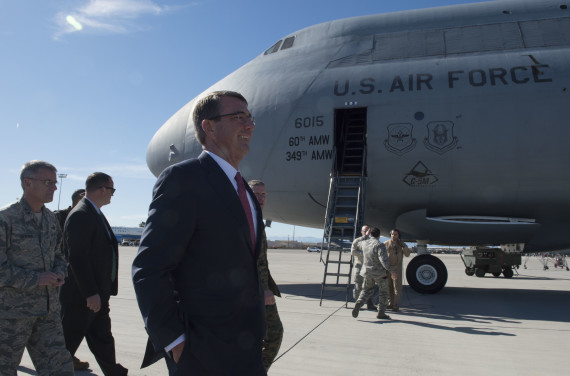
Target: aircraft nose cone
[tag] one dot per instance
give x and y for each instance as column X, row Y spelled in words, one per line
column 167, row 146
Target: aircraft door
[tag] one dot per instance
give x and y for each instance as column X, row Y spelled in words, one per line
column 350, row 141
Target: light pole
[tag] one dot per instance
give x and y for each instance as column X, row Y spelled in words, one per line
column 61, row 177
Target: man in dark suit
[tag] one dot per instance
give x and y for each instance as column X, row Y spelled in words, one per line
column 195, row 274
column 61, row 216
column 93, row 259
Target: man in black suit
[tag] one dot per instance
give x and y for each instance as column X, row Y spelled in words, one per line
column 61, row 216
column 93, row 259
column 195, row 274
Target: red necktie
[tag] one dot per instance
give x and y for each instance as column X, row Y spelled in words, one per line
column 245, row 204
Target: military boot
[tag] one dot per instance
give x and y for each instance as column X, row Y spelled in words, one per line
column 356, row 309
column 382, row 315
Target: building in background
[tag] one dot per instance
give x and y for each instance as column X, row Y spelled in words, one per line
column 128, row 235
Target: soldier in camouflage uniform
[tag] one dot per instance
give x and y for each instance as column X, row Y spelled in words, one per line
column 356, row 251
column 272, row 341
column 32, row 268
column 375, row 265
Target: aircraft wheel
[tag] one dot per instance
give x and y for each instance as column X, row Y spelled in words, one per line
column 480, row 272
column 469, row 271
column 426, row 274
column 496, row 274
column 508, row 273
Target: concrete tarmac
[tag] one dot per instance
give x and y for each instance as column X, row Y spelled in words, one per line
column 474, row 326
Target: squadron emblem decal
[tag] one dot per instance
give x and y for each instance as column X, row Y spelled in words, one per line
column 440, row 137
column 420, row 176
column 400, row 140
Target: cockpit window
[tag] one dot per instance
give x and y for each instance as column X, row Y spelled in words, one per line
column 288, row 43
column 273, row 48
column 283, row 44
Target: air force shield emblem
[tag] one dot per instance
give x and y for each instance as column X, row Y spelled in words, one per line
column 440, row 137
column 400, row 140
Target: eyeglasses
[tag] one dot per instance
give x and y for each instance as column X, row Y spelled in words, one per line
column 47, row 182
column 109, row 188
column 240, row 116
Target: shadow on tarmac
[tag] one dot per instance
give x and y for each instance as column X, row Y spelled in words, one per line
column 480, row 305
column 459, row 329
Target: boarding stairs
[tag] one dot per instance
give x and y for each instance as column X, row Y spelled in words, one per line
column 345, row 209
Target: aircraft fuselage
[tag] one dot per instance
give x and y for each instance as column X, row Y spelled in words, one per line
column 466, row 131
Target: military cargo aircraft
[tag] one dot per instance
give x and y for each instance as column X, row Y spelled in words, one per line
column 464, row 112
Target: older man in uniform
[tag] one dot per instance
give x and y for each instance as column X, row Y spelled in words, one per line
column 32, row 268
column 374, row 270
column 397, row 249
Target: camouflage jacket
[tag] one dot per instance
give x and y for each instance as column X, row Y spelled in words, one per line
column 376, row 260
column 396, row 251
column 356, row 250
column 267, row 281
column 28, row 248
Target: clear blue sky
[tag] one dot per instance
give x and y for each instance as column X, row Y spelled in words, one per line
column 85, row 84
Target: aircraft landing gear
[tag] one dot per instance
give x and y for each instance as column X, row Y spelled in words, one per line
column 426, row 274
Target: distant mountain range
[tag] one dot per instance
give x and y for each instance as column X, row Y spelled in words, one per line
column 306, row 239
column 302, row 239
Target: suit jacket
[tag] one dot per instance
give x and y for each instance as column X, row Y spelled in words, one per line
column 196, row 270
column 92, row 249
